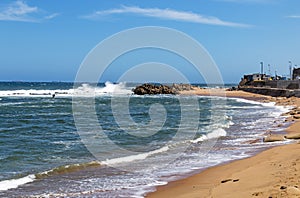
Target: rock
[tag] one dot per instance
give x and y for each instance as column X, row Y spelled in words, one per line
column 292, row 136
column 296, row 117
column 232, row 89
column 274, row 138
column 152, row 89
column 293, row 191
column 183, row 87
column 283, row 187
column 226, row 180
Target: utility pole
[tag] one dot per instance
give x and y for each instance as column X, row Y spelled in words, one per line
column 291, row 78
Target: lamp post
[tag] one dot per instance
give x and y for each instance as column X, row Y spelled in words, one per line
column 290, row 62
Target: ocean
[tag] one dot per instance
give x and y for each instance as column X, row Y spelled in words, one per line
column 140, row 142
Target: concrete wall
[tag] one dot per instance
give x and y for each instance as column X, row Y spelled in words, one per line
column 284, row 84
column 272, row 91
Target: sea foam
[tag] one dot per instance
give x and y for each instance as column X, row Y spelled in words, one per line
column 15, row 183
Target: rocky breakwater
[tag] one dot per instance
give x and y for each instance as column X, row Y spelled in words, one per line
column 152, row 89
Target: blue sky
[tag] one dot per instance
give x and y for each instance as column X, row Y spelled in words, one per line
column 47, row 40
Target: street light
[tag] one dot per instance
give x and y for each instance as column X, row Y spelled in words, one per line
column 290, row 62
column 261, row 70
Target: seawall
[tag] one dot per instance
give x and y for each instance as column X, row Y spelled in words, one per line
column 275, row 92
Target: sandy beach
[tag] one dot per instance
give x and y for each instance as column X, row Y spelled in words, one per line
column 272, row 173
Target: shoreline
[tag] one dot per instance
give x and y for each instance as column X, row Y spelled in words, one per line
column 274, row 172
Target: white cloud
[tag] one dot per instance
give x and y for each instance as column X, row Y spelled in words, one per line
column 51, row 16
column 20, row 11
column 293, row 16
column 168, row 14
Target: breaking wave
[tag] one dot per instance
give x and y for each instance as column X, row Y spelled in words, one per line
column 131, row 158
column 213, row 135
column 15, row 183
column 67, row 169
column 83, row 90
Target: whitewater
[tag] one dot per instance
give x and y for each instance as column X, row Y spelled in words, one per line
column 43, row 153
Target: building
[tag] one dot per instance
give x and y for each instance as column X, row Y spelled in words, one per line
column 296, row 74
column 254, row 77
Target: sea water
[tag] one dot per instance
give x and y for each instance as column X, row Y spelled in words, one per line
column 42, row 153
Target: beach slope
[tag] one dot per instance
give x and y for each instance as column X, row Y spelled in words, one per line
column 272, row 173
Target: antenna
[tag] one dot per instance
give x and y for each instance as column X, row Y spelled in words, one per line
column 269, row 69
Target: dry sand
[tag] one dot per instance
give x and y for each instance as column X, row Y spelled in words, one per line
column 272, row 173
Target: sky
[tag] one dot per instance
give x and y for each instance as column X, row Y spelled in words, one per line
column 48, row 40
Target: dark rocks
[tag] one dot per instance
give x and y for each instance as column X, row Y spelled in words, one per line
column 296, row 117
column 232, row 89
column 229, row 180
column 153, row 89
column 226, row 180
column 283, row 187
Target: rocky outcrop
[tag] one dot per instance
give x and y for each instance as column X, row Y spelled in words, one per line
column 182, row 87
column 274, row 138
column 293, row 136
column 152, row 89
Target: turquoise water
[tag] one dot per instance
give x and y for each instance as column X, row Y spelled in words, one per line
column 42, row 152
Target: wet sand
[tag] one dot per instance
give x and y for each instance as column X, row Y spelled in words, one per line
column 272, row 173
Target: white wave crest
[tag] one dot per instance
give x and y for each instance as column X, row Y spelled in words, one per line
column 15, row 183
column 247, row 101
column 83, row 90
column 110, row 88
column 134, row 157
column 34, row 93
column 215, row 134
column 264, row 104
